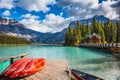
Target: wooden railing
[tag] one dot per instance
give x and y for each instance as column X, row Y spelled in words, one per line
column 13, row 57
column 99, row 45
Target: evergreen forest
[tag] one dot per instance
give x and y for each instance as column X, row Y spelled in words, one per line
column 109, row 32
column 5, row 39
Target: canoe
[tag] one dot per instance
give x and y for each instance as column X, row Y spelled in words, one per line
column 24, row 67
column 83, row 76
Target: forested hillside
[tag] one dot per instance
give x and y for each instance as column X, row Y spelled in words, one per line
column 5, row 39
column 108, row 31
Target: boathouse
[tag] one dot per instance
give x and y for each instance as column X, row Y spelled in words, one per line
column 94, row 38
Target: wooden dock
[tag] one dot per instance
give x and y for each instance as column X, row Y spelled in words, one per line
column 113, row 47
column 54, row 70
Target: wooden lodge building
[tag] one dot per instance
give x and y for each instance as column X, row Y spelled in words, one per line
column 94, row 38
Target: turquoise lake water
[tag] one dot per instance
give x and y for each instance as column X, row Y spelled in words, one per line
column 99, row 63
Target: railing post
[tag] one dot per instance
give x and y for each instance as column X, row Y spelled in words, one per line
column 11, row 60
column 116, row 44
column 108, row 45
column 112, row 45
column 22, row 56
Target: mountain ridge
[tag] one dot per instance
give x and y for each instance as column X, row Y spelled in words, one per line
column 99, row 18
column 12, row 26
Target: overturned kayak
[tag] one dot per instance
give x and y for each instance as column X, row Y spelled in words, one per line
column 24, row 67
column 83, row 76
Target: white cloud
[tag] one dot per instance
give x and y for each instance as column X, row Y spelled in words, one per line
column 55, row 23
column 36, row 5
column 51, row 23
column 107, row 10
column 87, row 8
column 29, row 16
column 8, row 4
column 31, row 23
column 61, row 14
column 31, row 5
column 6, row 13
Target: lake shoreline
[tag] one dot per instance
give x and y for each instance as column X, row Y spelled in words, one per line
column 29, row 44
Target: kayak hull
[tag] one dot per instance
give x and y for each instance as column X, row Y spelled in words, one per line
column 37, row 65
column 24, row 67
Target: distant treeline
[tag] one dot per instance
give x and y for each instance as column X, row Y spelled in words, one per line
column 108, row 31
column 5, row 39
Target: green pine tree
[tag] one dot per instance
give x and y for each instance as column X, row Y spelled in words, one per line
column 118, row 31
column 76, row 34
column 88, row 31
column 69, row 36
column 94, row 25
column 107, row 30
column 113, row 32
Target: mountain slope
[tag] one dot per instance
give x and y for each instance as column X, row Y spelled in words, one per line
column 9, row 26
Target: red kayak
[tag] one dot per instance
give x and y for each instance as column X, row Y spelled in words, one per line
column 24, row 67
column 33, row 67
column 12, row 67
column 20, row 68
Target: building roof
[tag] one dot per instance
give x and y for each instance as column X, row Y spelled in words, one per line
column 94, row 34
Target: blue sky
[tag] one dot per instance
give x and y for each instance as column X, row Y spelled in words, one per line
column 54, row 15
